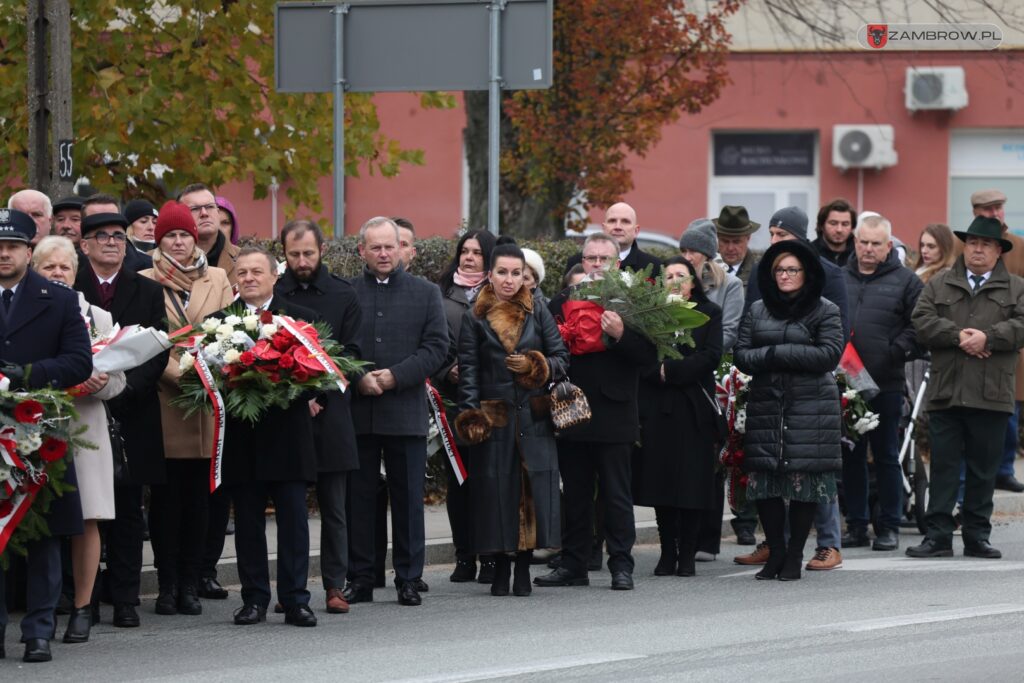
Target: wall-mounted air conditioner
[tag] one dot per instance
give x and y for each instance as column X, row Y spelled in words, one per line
column 863, row 146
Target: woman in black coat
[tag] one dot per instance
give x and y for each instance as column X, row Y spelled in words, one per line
column 509, row 348
column 790, row 343
column 674, row 468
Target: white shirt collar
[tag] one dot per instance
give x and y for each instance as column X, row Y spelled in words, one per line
column 265, row 306
column 984, row 277
column 624, row 254
column 13, row 289
column 108, row 280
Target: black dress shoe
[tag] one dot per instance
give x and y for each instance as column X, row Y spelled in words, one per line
column 167, row 601
column 622, row 581
column 125, row 616
column 555, row 562
column 37, row 650
column 930, row 548
column 745, row 537
column 1008, row 482
column 210, row 589
column 886, row 539
column 188, row 601
column 465, row 571
column 79, row 624
column 247, row 615
column 981, row 549
column 355, row 592
column 300, row 615
column 561, row 577
column 408, row 595
column 420, row 585
column 856, row 537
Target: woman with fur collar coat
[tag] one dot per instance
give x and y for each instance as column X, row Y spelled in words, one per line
column 509, row 349
column 790, row 342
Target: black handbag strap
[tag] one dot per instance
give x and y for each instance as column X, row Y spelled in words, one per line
column 714, row 404
column 173, row 296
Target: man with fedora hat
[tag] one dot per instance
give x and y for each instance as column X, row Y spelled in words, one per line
column 992, row 204
column 734, row 230
column 43, row 344
column 971, row 318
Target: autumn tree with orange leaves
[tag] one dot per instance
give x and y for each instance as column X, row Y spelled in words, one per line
column 622, row 70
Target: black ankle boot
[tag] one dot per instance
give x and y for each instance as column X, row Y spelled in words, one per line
column 79, row 624
column 791, row 567
column 521, row 584
column 666, row 520
column 773, row 566
column 502, row 574
column 167, row 601
column 667, row 562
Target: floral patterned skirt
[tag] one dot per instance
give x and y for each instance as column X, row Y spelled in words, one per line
column 806, row 487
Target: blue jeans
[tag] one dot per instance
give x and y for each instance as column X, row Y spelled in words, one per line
column 826, row 524
column 884, row 440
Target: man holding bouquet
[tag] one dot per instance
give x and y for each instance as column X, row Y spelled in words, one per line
column 273, row 457
column 602, row 447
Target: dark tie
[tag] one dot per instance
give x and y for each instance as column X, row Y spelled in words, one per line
column 976, row 279
column 106, row 294
column 7, row 296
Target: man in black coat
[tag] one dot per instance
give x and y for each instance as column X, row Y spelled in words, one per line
column 307, row 282
column 602, row 447
column 134, row 260
column 882, row 298
column 274, row 458
column 836, row 221
column 131, row 300
column 620, row 224
column 405, row 335
column 44, row 343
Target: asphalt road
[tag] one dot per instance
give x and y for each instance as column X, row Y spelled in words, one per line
column 882, row 616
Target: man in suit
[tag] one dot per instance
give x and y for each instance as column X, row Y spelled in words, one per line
column 620, row 224
column 734, row 230
column 971, row 318
column 43, row 343
column 134, row 260
column 283, row 440
column 67, row 219
column 131, row 300
column 602, row 447
column 405, row 335
column 307, row 282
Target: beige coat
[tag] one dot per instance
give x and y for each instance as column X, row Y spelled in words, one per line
column 226, row 262
column 189, row 437
column 95, row 466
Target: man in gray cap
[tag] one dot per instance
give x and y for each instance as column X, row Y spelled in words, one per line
column 790, row 223
column 992, row 204
column 734, row 230
column 67, row 219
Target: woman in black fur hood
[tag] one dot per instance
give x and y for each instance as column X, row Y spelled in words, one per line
column 790, row 343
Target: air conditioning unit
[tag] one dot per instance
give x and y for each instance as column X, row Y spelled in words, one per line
column 863, row 146
column 935, row 87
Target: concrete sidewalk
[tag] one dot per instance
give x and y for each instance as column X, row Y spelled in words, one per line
column 439, row 541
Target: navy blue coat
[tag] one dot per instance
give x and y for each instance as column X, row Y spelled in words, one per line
column 45, row 329
column 334, row 301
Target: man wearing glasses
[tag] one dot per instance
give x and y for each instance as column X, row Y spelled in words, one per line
column 131, row 299
column 201, row 201
column 134, row 260
column 790, row 223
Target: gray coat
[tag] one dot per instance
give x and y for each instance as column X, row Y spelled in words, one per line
column 404, row 330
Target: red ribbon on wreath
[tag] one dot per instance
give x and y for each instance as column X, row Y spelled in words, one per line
column 581, row 327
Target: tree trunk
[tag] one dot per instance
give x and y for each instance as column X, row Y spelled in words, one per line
column 519, row 215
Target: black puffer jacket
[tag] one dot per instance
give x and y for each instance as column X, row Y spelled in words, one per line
column 791, row 345
column 880, row 305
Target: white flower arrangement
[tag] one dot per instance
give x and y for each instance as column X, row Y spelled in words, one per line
column 186, row 362
column 251, row 322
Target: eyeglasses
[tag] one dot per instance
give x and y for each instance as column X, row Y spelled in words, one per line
column 208, row 208
column 106, row 237
column 600, row 259
column 788, row 272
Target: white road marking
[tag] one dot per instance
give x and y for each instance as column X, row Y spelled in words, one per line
column 536, row 667
column 902, row 563
column 922, row 618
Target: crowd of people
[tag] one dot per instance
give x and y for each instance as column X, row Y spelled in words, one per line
column 488, row 339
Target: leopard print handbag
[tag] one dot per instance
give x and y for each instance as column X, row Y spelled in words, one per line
column 569, row 406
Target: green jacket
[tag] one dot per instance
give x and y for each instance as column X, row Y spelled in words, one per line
column 945, row 308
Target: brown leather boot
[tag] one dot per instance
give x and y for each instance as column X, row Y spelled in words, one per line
column 759, row 556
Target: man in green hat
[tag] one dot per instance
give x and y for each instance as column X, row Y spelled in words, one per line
column 734, row 230
column 971, row 318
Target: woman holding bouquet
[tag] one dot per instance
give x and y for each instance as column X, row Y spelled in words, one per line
column 55, row 258
column 674, row 469
column 790, row 342
column 509, row 348
column 177, row 516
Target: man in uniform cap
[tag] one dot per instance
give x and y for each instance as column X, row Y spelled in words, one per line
column 734, row 230
column 43, row 344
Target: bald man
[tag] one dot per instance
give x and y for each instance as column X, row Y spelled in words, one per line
column 621, row 225
column 37, row 205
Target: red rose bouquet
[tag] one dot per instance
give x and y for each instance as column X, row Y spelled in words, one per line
column 36, row 438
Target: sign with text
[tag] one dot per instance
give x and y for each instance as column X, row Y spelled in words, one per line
column 771, row 154
column 65, row 160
